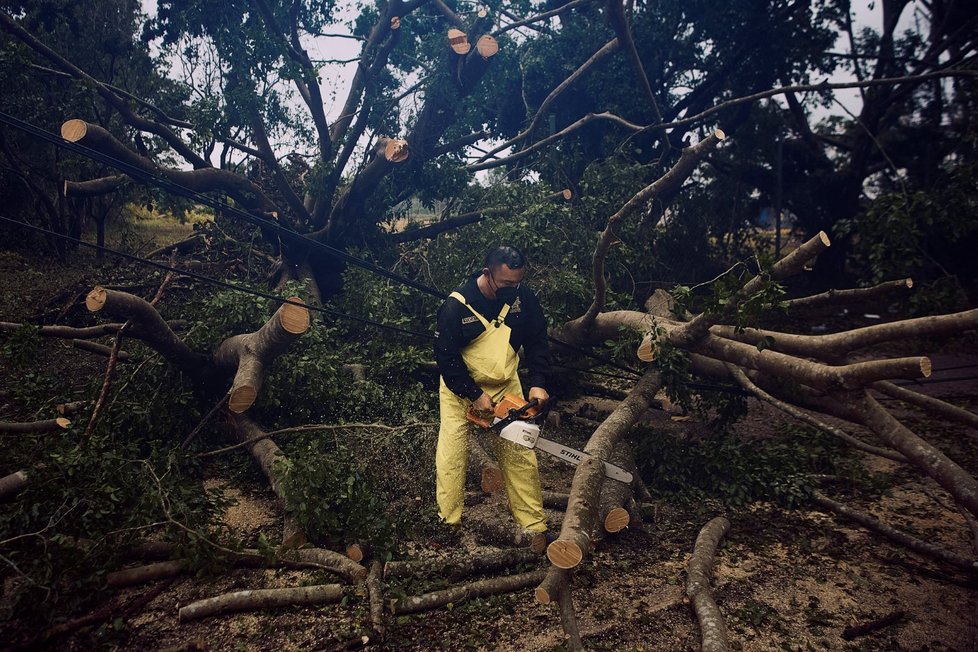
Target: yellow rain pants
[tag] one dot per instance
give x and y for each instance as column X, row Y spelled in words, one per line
column 492, row 363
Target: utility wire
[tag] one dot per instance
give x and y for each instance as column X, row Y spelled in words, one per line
column 288, row 234
column 213, row 281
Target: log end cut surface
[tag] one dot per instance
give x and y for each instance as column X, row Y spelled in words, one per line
column 926, row 367
column 646, row 350
column 541, row 595
column 492, row 480
column 95, row 300
column 486, row 46
column 74, row 130
column 242, row 398
column 396, row 150
column 616, row 520
column 458, row 41
column 295, row 319
column 564, row 554
column 354, row 552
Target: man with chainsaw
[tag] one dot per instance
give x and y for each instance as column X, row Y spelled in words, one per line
column 481, row 326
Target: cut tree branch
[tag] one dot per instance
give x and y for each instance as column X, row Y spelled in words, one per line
column 713, row 631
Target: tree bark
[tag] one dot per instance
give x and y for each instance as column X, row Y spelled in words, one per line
column 933, row 405
column 713, row 630
column 259, row 599
column 148, row 573
column 456, row 594
column 34, row 427
column 147, row 326
column 955, row 480
column 613, row 516
column 202, row 179
column 856, row 295
column 87, row 332
column 13, row 484
column 555, row 589
column 747, row 384
column 375, row 594
column 457, row 569
column 262, row 449
column 100, row 349
column 484, row 468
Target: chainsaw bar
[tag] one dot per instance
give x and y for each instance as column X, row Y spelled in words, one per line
column 528, row 435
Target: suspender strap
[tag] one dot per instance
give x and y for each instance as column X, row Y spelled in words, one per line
column 500, row 318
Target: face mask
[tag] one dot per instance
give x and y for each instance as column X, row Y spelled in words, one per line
column 507, row 295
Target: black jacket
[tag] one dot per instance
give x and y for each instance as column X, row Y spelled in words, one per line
column 456, row 330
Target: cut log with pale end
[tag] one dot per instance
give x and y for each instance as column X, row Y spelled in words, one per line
column 252, row 353
column 34, row 427
column 555, row 589
column 12, row 484
column 147, row 325
column 613, row 517
column 74, row 130
column 458, row 41
column 713, row 630
column 396, row 150
column 258, row 599
column 358, row 551
column 484, row 469
column 566, row 553
column 487, row 46
column 456, row 594
column 616, row 520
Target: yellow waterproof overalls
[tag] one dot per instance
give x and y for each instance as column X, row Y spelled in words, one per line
column 492, row 363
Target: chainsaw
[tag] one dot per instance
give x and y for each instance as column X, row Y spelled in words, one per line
column 520, row 422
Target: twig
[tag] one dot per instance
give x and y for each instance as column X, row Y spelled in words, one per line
column 113, row 361
column 217, row 406
column 345, row 426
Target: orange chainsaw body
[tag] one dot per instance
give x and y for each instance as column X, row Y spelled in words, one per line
column 500, row 411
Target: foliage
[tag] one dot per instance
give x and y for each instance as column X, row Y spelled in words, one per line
column 739, row 470
column 928, row 234
column 334, row 500
column 85, row 503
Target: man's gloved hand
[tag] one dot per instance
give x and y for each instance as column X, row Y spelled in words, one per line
column 538, row 393
column 483, row 404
